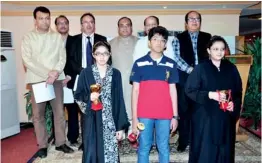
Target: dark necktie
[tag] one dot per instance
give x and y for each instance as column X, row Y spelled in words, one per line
column 89, row 58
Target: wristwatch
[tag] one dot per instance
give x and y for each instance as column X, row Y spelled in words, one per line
column 176, row 117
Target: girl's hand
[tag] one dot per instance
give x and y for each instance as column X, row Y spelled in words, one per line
column 119, row 135
column 230, row 106
column 94, row 96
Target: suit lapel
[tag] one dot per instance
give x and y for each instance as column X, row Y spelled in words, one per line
column 79, row 48
column 95, row 39
column 199, row 45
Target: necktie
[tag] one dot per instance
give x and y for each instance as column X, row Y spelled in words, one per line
column 89, row 58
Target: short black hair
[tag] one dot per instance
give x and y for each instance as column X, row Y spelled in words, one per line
column 186, row 17
column 87, row 14
column 216, row 38
column 157, row 20
column 41, row 9
column 107, row 46
column 125, row 18
column 61, row 16
column 158, row 30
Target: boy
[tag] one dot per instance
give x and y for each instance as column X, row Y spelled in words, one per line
column 154, row 97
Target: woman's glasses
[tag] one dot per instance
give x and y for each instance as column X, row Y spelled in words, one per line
column 102, row 54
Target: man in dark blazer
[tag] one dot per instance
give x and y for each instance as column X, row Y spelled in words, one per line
column 80, row 55
column 191, row 45
column 62, row 26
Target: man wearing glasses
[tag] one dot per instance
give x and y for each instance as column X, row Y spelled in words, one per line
column 191, row 46
column 62, row 26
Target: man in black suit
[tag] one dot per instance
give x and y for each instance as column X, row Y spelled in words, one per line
column 81, row 50
column 62, row 26
column 191, row 45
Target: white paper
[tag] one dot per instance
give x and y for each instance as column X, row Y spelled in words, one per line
column 75, row 86
column 43, row 92
column 68, row 96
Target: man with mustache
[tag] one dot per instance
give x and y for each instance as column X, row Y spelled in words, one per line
column 44, row 57
column 62, row 26
column 191, row 46
column 122, row 48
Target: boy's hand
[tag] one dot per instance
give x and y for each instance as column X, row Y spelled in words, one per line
column 173, row 125
column 134, row 126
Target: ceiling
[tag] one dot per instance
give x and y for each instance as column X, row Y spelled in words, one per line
column 249, row 22
column 244, row 8
column 10, row 8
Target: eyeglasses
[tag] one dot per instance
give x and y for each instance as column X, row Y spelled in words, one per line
column 159, row 39
column 194, row 19
column 218, row 49
column 102, row 54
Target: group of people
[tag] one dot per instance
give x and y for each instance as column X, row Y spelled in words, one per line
column 161, row 82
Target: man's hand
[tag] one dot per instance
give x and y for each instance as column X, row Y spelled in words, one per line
column 66, row 80
column 173, row 125
column 50, row 80
column 53, row 74
column 191, row 69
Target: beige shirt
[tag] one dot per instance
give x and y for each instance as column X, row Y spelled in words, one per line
column 41, row 53
column 122, row 59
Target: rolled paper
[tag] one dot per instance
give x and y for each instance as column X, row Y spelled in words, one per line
column 141, row 126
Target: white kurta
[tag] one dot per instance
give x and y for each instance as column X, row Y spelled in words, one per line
column 122, row 58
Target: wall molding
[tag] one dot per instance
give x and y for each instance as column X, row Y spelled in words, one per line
column 124, row 3
column 127, row 12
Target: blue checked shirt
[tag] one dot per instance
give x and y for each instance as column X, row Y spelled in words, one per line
column 194, row 37
column 181, row 64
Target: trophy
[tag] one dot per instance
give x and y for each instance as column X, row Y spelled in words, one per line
column 97, row 104
column 224, row 105
column 133, row 137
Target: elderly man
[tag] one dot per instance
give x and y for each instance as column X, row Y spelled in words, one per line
column 191, row 46
column 122, row 48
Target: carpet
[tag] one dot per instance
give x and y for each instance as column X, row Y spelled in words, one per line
column 246, row 152
column 19, row 148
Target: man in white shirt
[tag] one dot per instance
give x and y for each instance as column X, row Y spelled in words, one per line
column 141, row 48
